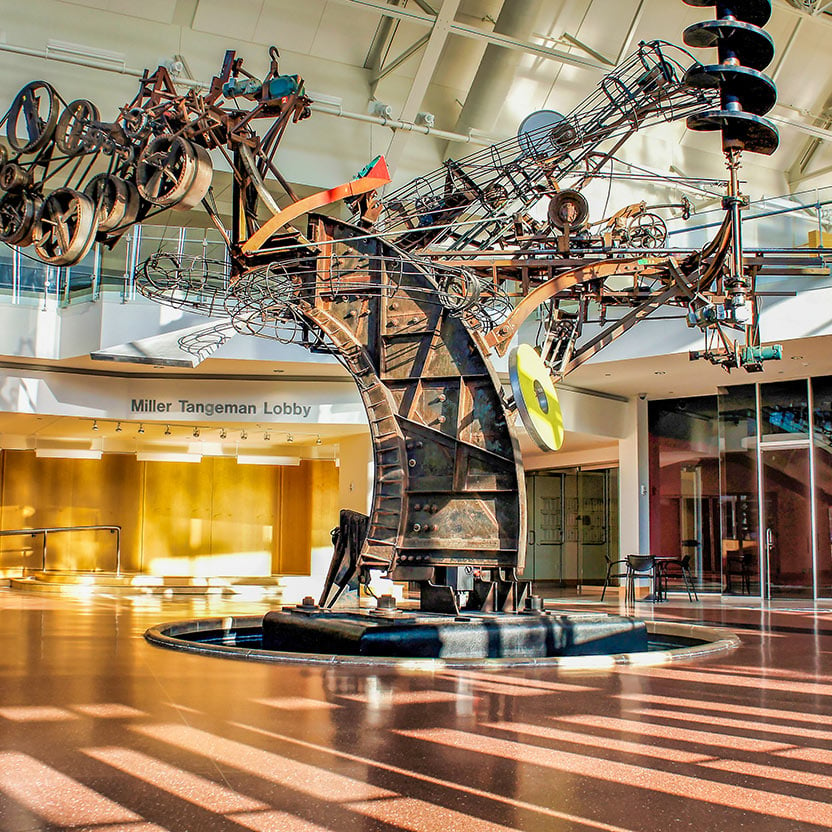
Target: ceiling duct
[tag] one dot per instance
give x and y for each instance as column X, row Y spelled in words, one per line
column 498, row 67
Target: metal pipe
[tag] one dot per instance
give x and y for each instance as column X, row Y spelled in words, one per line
column 738, row 287
column 318, row 107
column 394, row 124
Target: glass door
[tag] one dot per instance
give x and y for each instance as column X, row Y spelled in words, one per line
column 544, row 551
column 787, row 521
column 593, row 527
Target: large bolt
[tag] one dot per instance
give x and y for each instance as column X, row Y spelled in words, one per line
column 386, row 602
column 534, row 603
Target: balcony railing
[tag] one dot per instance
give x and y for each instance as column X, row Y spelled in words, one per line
column 47, row 530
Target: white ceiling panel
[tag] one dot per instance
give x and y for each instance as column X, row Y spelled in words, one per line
column 94, row 4
column 288, row 24
column 233, row 20
column 345, row 34
column 159, row 11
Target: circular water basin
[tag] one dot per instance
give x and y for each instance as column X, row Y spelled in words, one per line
column 241, row 637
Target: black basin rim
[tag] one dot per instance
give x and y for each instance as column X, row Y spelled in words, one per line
column 715, row 642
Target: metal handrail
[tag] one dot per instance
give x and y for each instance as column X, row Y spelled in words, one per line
column 47, row 530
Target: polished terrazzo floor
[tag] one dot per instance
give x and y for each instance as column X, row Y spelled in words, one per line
column 101, row 731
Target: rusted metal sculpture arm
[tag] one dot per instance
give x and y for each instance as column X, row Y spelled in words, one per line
column 500, row 337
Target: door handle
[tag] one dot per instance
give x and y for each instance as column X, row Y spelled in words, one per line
column 531, row 537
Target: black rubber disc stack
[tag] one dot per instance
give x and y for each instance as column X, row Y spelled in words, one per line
column 746, row 95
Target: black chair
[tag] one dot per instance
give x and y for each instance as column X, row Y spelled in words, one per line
column 611, row 564
column 642, row 565
column 683, row 563
column 739, row 563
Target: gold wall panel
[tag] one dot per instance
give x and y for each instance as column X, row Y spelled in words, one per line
column 74, row 492
column 308, row 512
column 214, row 518
column 176, row 532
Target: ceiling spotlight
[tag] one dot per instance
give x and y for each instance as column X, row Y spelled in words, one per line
column 243, row 434
column 318, row 441
column 196, row 433
column 223, row 434
column 167, row 430
column 141, row 427
column 95, row 424
column 118, row 428
column 289, row 437
column 267, row 436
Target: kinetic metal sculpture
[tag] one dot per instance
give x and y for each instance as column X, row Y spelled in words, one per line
column 410, row 295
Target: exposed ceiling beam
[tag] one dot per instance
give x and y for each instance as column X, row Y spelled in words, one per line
column 805, row 11
column 464, row 30
column 389, row 66
column 424, row 74
column 573, row 41
column 786, row 50
column 631, row 32
column 380, row 43
column 804, row 177
column 819, row 133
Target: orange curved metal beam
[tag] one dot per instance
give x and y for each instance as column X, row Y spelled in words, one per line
column 377, row 178
column 499, row 338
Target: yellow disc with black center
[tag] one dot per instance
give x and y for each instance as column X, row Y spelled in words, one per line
column 536, row 397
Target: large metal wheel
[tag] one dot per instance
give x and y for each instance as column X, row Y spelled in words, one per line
column 568, row 209
column 17, row 217
column 647, row 231
column 116, row 201
column 202, row 181
column 172, row 172
column 65, row 227
column 72, row 133
column 32, row 117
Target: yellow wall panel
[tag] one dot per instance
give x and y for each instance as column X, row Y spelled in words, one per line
column 309, row 511
column 244, row 507
column 176, row 532
column 74, row 492
column 214, row 518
